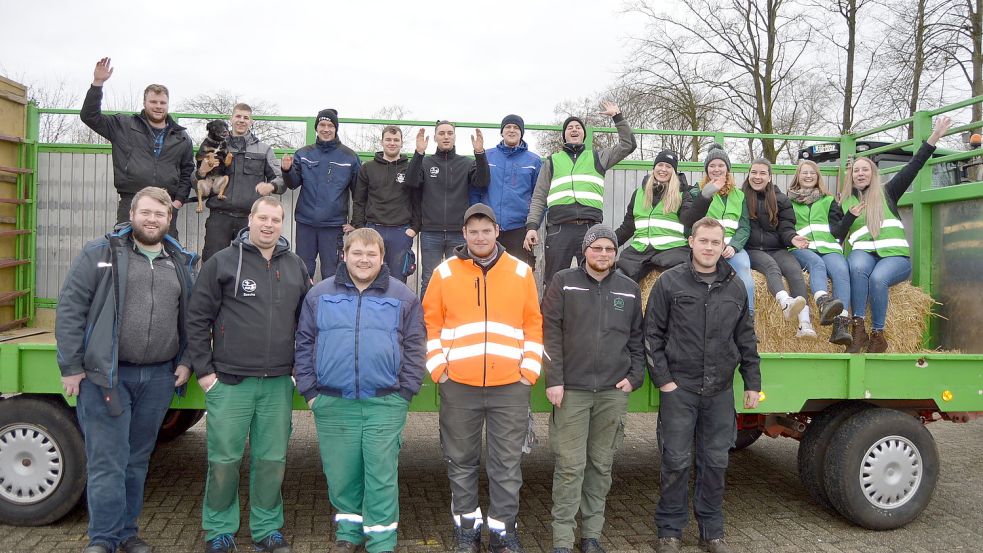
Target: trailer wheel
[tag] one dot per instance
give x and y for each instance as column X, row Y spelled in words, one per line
column 815, row 443
column 746, row 437
column 881, row 468
column 42, row 461
column 177, row 422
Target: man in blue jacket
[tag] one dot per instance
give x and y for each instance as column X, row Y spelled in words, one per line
column 514, row 170
column 122, row 350
column 359, row 359
column 326, row 173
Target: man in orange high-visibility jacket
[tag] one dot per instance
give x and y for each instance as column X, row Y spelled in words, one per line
column 484, row 347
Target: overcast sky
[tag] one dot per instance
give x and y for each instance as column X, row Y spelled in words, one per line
column 455, row 60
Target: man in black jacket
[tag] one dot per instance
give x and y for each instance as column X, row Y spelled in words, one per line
column 444, row 181
column 697, row 331
column 592, row 333
column 383, row 201
column 242, row 322
column 149, row 148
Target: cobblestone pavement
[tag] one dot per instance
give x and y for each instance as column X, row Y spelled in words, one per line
column 766, row 507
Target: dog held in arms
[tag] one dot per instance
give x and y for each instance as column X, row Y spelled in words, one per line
column 214, row 146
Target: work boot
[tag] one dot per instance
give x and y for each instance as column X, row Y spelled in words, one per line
column 829, row 307
column 859, row 332
column 134, row 544
column 668, row 545
column 504, row 542
column 877, row 342
column 591, row 545
column 841, row 331
column 342, row 546
column 467, row 539
column 716, row 545
column 792, row 306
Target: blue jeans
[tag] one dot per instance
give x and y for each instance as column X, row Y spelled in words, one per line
column 741, row 263
column 871, row 276
column 397, row 244
column 435, row 246
column 319, row 241
column 820, row 266
column 118, row 449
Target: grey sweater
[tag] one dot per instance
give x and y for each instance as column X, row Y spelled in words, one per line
column 148, row 330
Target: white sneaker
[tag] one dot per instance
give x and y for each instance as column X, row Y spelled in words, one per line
column 806, row 331
column 792, row 306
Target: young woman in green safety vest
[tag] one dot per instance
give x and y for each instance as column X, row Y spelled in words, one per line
column 880, row 256
column 772, row 224
column 718, row 197
column 816, row 212
column 655, row 237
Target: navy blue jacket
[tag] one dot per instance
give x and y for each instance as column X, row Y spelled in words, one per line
column 326, row 173
column 359, row 345
column 514, row 171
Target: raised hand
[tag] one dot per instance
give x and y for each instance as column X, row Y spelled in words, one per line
column 422, row 140
column 477, row 142
column 287, row 162
column 610, row 108
column 102, row 72
column 942, row 125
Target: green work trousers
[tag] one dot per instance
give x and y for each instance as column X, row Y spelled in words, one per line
column 258, row 409
column 360, row 441
column 585, row 432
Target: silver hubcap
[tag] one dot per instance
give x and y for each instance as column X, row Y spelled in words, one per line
column 30, row 464
column 891, row 472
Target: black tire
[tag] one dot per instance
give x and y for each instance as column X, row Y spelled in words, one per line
column 815, row 443
column 746, row 437
column 881, row 468
column 41, row 439
column 177, row 422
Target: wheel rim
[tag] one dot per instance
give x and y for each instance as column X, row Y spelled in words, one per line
column 30, row 464
column 891, row 472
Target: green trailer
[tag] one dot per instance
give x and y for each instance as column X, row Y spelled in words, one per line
column 860, row 419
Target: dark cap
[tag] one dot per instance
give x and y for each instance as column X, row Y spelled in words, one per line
column 479, row 209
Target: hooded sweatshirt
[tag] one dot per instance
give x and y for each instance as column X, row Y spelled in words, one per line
column 382, row 197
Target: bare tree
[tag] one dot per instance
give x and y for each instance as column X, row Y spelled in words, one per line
column 278, row 134
column 368, row 138
column 962, row 29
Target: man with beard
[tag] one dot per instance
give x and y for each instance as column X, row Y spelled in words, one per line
column 383, row 202
column 698, row 330
column 325, row 172
column 149, row 148
column 242, row 321
column 592, row 333
column 254, row 173
column 121, row 350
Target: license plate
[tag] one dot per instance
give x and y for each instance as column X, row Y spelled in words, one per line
column 825, row 148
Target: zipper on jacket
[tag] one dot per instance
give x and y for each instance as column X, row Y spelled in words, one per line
column 150, row 326
column 600, row 311
column 358, row 317
column 484, row 367
column 477, row 291
column 269, row 323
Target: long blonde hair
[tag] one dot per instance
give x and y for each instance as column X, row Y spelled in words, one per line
column 671, row 196
column 794, row 185
column 873, row 195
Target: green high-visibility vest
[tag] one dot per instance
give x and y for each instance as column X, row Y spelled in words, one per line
column 654, row 228
column 575, row 182
column 890, row 240
column 727, row 209
column 812, row 222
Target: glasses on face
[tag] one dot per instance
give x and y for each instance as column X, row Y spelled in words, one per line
column 602, row 249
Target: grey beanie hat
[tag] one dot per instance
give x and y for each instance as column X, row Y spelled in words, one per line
column 716, row 151
column 597, row 232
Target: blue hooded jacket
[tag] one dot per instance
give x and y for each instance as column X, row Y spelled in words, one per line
column 514, row 171
column 326, row 173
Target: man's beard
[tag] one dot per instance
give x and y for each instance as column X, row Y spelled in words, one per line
column 142, row 237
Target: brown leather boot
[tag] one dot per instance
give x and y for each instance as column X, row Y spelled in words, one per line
column 877, row 343
column 859, row 335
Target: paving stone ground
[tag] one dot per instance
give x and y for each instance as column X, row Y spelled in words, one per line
column 766, row 508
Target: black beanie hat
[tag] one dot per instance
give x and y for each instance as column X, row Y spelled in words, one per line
column 669, row 157
column 329, row 114
column 513, row 119
column 566, row 122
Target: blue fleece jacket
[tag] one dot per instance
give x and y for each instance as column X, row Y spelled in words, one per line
column 326, row 173
column 514, row 171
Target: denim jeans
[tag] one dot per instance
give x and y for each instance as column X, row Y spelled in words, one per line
column 713, row 419
column 397, row 243
column 820, row 266
column 741, row 263
column 435, row 246
column 871, row 276
column 118, row 449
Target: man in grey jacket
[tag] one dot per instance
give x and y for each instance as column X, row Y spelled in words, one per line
column 571, row 189
column 592, row 333
column 124, row 380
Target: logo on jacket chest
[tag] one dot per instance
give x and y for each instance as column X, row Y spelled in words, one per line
column 248, row 288
column 619, row 304
column 434, row 171
column 401, row 177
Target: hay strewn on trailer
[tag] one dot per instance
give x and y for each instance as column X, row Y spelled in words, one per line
column 907, row 318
